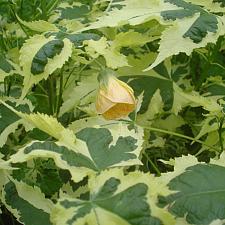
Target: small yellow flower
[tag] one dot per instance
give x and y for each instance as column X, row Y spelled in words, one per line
column 115, row 99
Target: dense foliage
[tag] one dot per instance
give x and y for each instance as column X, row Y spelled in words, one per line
column 62, row 163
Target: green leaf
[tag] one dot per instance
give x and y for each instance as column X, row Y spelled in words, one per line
column 113, row 57
column 80, row 124
column 114, row 199
column 78, row 39
column 111, row 49
column 9, row 120
column 150, row 85
column 34, row 54
column 188, row 25
column 51, row 126
column 184, row 4
column 215, row 6
column 78, row 164
column 205, row 23
column 49, row 181
column 5, row 171
column 216, row 89
column 120, row 144
column 39, row 25
column 95, row 149
column 49, row 50
column 222, row 3
column 179, row 35
column 176, row 14
column 83, row 93
column 200, row 194
column 160, row 79
column 161, row 91
column 199, row 29
column 7, row 67
column 172, row 122
column 74, row 12
column 210, row 124
column 26, row 203
column 128, row 13
column 46, row 123
column 104, row 156
column 130, row 39
column 195, row 99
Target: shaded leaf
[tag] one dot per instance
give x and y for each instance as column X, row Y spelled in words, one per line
column 26, row 203
column 9, row 120
column 74, row 12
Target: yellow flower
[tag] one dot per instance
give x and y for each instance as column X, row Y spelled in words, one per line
column 115, row 99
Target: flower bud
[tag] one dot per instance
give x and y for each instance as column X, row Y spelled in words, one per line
column 115, row 99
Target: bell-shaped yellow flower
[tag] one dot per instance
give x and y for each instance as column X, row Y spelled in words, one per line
column 115, row 99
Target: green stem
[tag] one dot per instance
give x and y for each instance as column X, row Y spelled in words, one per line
column 78, row 72
column 179, row 135
column 44, row 9
column 9, row 88
column 5, row 86
column 109, row 6
column 220, row 133
column 42, row 95
column 21, row 25
column 3, row 41
column 152, row 164
column 67, row 79
column 147, row 48
column 51, row 5
column 70, row 118
column 1, row 220
column 40, row 86
column 21, row 4
column 99, row 64
column 59, row 99
column 12, row 219
column 51, row 95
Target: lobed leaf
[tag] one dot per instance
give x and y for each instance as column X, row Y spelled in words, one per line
column 198, row 190
column 114, row 199
column 95, row 150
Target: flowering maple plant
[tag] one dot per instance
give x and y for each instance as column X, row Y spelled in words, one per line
column 106, row 109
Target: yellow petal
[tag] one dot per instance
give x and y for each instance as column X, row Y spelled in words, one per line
column 102, row 103
column 118, row 111
column 117, row 91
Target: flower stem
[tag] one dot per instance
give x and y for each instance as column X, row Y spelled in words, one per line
column 179, row 135
column 152, row 164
